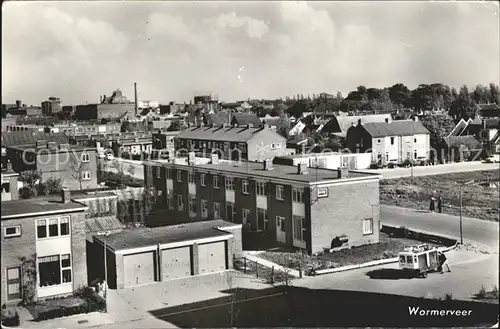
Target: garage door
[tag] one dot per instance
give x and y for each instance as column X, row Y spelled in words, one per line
column 139, row 269
column 212, row 257
column 176, row 263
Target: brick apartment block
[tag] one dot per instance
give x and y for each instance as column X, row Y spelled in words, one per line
column 306, row 208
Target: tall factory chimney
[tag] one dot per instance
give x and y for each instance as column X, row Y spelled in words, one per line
column 135, row 95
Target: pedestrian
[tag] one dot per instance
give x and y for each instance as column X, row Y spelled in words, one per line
column 440, row 204
column 442, row 262
column 432, row 205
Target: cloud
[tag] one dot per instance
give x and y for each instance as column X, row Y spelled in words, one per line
column 79, row 51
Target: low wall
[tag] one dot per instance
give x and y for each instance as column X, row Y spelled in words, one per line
column 403, row 232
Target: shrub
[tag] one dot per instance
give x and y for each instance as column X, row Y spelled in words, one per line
column 26, row 192
column 448, row 296
column 10, row 318
column 54, row 185
column 42, row 189
column 481, row 293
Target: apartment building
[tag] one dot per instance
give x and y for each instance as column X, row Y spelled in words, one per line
column 164, row 143
column 232, row 142
column 294, row 206
column 48, row 234
column 391, row 141
column 77, row 166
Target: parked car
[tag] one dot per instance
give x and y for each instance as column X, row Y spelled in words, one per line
column 493, row 159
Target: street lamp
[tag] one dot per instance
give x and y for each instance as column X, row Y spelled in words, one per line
column 105, row 234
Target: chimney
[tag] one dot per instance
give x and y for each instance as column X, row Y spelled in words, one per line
column 359, row 122
column 302, row 169
column 415, row 118
column 41, row 143
column 386, row 120
column 268, row 164
column 214, row 158
column 249, row 126
column 135, row 97
column 191, row 158
column 66, row 195
column 18, row 103
column 100, row 99
column 343, row 172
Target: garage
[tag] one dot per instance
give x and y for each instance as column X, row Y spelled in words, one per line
column 138, row 269
column 212, row 257
column 176, row 263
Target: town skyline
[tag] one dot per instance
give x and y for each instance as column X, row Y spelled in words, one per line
column 242, row 50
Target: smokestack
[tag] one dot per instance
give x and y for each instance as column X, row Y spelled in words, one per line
column 135, row 95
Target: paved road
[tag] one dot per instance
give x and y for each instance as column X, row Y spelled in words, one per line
column 435, row 170
column 482, row 231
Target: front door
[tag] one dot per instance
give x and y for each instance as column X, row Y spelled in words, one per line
column 280, row 229
column 13, row 283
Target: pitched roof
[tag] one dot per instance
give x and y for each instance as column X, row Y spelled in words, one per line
column 232, row 134
column 469, row 142
column 245, row 118
column 459, row 128
column 491, row 106
column 395, row 128
column 217, row 119
column 26, row 137
column 346, row 122
column 107, row 223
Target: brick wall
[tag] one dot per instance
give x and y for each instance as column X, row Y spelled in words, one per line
column 79, row 250
column 16, row 247
column 342, row 212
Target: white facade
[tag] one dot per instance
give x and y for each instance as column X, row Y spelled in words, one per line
column 354, row 161
column 148, row 104
column 400, row 148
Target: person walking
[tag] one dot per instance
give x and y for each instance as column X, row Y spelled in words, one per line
column 432, row 205
column 442, row 262
column 440, row 204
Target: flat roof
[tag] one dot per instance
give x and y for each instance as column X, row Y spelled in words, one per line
column 38, row 206
column 313, row 155
column 256, row 170
column 33, row 148
column 144, row 237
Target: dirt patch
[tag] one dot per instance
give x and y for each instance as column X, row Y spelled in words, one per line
column 480, row 193
column 387, row 248
column 474, row 247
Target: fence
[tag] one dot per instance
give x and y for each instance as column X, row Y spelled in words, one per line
column 268, row 274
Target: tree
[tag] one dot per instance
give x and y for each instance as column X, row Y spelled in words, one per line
column 374, row 94
column 463, row 106
column 229, row 277
column 77, row 167
column 28, row 279
column 30, row 180
column 283, row 126
column 439, row 127
column 362, row 91
column 494, row 94
column 339, row 96
column 125, row 126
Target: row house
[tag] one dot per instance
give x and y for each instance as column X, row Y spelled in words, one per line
column 289, row 205
column 391, row 141
column 49, row 235
column 232, row 142
column 163, row 143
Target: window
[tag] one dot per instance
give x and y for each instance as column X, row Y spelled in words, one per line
column 386, row 156
column 169, row 200
column 202, row 179
column 179, row 176
column 64, row 225
column 244, row 186
column 158, row 172
column 13, row 283
column 12, row 231
column 230, row 211
column 367, row 226
column 86, row 175
column 204, row 209
column 53, row 227
column 261, row 188
column 392, row 140
column 298, row 228
column 414, row 154
column 217, row 210
column 414, row 140
column 180, row 202
column 297, row 195
column 378, row 141
column 244, row 215
column 230, row 183
column 216, row 181
column 279, row 192
column 169, row 173
column 192, row 206
column 41, row 229
column 191, row 177
column 262, row 221
column 85, row 157
column 54, row 270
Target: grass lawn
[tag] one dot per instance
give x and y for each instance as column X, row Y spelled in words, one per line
column 387, row 248
column 478, row 201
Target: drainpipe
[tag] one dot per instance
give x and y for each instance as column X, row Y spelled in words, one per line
column 159, row 260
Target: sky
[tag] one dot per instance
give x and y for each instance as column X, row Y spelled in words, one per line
column 79, row 51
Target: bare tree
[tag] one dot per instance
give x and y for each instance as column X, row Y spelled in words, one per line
column 229, row 277
column 77, row 167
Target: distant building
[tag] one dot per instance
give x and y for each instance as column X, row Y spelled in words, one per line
column 105, row 111
column 391, row 141
column 339, row 124
column 52, row 106
column 148, row 105
column 77, row 166
column 133, row 146
column 33, row 111
column 163, row 143
column 171, row 108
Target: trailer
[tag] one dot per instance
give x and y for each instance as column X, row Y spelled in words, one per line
column 420, row 260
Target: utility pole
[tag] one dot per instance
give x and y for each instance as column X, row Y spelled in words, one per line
column 461, row 236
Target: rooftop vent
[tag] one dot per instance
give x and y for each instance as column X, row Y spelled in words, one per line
column 302, row 169
column 268, row 164
column 65, row 195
